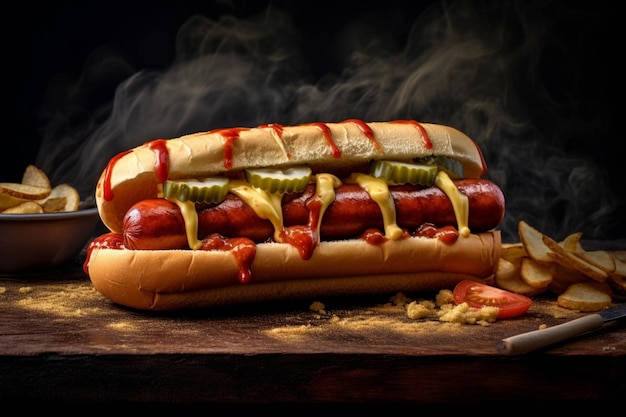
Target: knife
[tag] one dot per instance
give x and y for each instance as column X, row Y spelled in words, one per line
column 537, row 339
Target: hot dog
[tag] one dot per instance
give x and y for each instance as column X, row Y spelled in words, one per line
column 381, row 206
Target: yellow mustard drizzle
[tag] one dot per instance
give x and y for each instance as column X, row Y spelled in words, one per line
column 188, row 210
column 379, row 192
column 325, row 185
column 459, row 201
column 266, row 205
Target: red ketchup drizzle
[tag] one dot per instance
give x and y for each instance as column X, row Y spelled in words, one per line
column 243, row 249
column 374, row 237
column 367, row 131
column 229, row 135
column 305, row 238
column 107, row 193
column 162, row 165
column 336, row 153
column 105, row 241
column 447, row 234
column 427, row 143
column 278, row 131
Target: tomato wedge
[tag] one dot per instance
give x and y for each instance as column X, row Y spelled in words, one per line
column 478, row 295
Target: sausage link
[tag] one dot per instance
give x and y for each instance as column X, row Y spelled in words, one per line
column 158, row 223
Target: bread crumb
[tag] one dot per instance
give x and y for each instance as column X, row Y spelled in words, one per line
column 3, row 290
column 543, row 326
column 420, row 310
column 448, row 311
column 26, row 290
column 318, row 307
column 399, row 299
column 444, row 297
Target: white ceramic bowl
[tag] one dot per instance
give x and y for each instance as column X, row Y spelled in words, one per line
column 30, row 242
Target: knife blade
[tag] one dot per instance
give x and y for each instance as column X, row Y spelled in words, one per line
column 537, row 339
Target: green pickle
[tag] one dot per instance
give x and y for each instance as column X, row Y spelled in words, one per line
column 395, row 172
column 207, row 190
column 275, row 180
column 450, row 166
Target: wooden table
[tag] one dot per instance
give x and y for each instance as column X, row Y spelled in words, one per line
column 62, row 341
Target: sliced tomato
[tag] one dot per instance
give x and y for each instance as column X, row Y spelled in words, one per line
column 478, row 295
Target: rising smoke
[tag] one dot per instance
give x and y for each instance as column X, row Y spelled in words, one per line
column 500, row 75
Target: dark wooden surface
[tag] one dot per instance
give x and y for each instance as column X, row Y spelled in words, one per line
column 62, row 341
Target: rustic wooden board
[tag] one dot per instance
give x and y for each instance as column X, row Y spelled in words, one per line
column 60, row 340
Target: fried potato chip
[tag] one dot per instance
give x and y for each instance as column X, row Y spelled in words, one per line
column 532, row 239
column 53, row 205
column 508, row 278
column 537, row 274
column 572, row 242
column 35, row 177
column 12, row 194
column 564, row 277
column 66, row 193
column 571, row 259
column 600, row 258
column 586, row 296
column 513, row 252
column 24, row 208
column 620, row 267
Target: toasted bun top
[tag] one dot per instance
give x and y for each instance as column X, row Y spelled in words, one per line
column 136, row 175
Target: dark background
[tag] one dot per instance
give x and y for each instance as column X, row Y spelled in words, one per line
column 536, row 83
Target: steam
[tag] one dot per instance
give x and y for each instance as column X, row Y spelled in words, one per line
column 479, row 72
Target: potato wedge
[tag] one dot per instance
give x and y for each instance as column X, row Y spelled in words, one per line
column 572, row 242
column 537, row 274
column 587, row 296
column 24, row 208
column 35, row 177
column 53, row 205
column 564, row 277
column 532, row 239
column 508, row 278
column 513, row 252
column 600, row 258
column 66, row 193
column 570, row 259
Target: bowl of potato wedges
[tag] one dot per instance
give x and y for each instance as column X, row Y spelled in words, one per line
column 42, row 225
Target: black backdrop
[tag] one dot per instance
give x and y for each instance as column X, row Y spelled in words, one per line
column 542, row 94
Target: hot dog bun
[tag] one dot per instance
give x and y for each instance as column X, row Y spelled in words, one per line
column 184, row 279
column 325, row 147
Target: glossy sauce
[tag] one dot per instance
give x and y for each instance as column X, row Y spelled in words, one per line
column 335, row 152
column 107, row 193
column 241, row 248
column 229, row 135
column 368, row 132
column 105, row 241
column 162, row 165
column 305, row 238
column 446, row 234
column 427, row 143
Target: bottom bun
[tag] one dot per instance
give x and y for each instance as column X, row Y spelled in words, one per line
column 186, row 279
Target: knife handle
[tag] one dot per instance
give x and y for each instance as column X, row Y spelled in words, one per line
column 526, row 342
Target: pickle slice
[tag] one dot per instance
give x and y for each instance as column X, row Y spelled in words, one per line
column 275, row 180
column 395, row 172
column 208, row 190
column 450, row 166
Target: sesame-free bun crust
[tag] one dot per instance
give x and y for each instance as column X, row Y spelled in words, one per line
column 133, row 177
column 186, row 279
